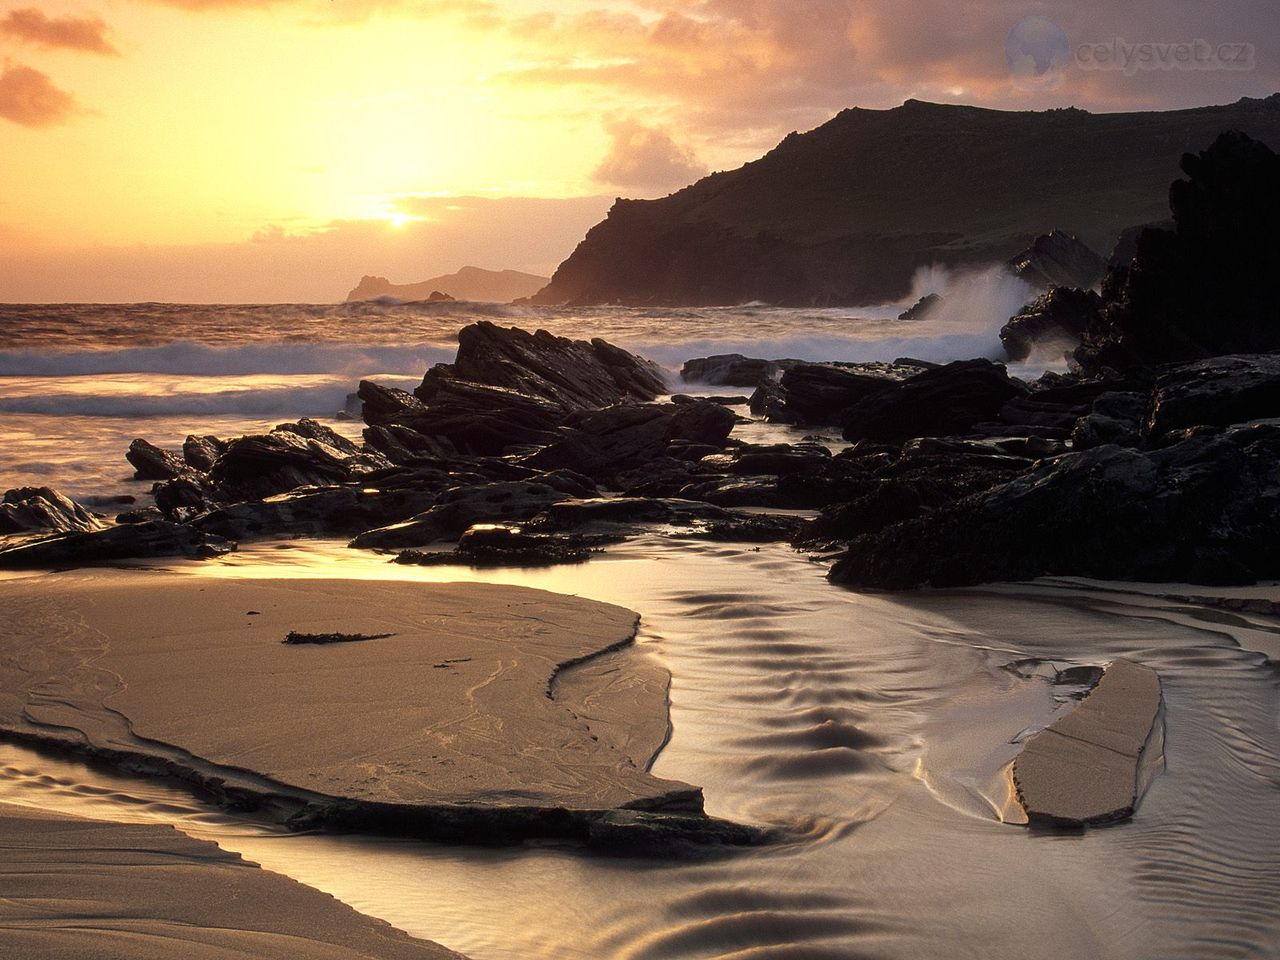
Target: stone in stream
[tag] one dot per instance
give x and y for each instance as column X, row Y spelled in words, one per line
column 1085, row 767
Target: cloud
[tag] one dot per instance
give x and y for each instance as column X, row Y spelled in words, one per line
column 29, row 98
column 646, row 159
column 87, row 34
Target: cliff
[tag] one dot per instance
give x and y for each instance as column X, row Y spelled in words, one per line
column 469, row 283
column 844, row 214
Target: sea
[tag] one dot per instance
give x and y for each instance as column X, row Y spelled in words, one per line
column 871, row 732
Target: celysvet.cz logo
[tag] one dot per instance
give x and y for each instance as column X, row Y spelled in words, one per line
column 1039, row 53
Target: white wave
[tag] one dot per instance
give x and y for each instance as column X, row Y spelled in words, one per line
column 287, row 402
column 199, row 359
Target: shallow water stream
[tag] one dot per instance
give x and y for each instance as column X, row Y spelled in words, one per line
column 873, row 731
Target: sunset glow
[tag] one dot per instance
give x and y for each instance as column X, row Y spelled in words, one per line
column 180, row 123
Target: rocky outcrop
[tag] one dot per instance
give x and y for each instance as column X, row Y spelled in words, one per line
column 1205, row 509
column 154, row 538
column 151, row 463
column 1206, row 288
column 818, row 394
column 948, row 401
column 1053, row 323
column 733, row 370
column 845, row 214
column 1059, row 259
column 1217, row 392
column 292, row 455
column 43, row 509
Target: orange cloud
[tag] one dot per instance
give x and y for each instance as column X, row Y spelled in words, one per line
column 646, row 159
column 87, row 34
column 29, row 98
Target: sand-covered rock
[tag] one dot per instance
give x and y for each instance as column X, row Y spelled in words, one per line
column 450, row 726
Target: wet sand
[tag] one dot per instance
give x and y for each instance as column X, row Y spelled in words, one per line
column 71, row 887
column 454, row 724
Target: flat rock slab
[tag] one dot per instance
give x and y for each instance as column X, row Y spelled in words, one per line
column 457, row 709
column 82, row 888
column 1084, row 767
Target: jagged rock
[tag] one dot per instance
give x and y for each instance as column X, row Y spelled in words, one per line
column 1054, row 321
column 1207, row 287
column 1205, row 510
column 1059, row 259
column 603, row 443
column 383, row 405
column 154, row 538
column 769, row 402
column 572, row 374
column 458, row 508
column 1217, row 392
column 733, row 370
column 730, row 401
column 199, row 453
column 152, row 463
column 921, row 308
column 815, row 394
column 28, row 509
column 140, row 515
column 290, row 456
column 947, row 401
column 401, row 444
column 484, row 420
column 327, row 511
column 181, row 498
column 503, row 545
column 1116, row 417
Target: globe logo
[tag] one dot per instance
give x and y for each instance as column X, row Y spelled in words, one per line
column 1037, row 50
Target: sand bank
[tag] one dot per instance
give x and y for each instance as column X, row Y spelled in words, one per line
column 458, row 725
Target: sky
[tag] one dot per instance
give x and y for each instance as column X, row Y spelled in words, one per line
column 277, row 150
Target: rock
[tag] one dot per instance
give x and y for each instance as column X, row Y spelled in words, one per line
column 478, row 419
column 404, row 445
column 458, row 508
column 290, row 456
column 1206, row 288
column 152, row 463
column 327, row 511
column 181, row 498
column 1059, row 259
column 730, row 401
column 921, row 309
column 382, row 405
column 604, row 443
column 199, row 453
column 504, row 545
column 733, row 370
column 140, row 515
column 947, row 401
column 575, row 514
column 154, row 538
column 31, row 509
column 573, row 374
column 1085, row 767
column 815, row 394
column 1216, row 392
column 1116, row 417
column 1205, row 509
column 1053, row 323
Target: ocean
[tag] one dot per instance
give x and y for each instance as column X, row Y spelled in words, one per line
column 78, row 382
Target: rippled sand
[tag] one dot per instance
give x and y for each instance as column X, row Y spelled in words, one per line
column 875, row 731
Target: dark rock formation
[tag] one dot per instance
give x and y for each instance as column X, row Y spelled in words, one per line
column 1205, row 509
column 34, row 509
column 155, row 538
column 947, row 401
column 1054, row 321
column 846, row 213
column 733, row 370
column 1217, row 392
column 1059, row 259
column 152, row 463
column 503, row 545
column 921, row 308
column 817, row 394
column 292, row 455
column 572, row 374
column 1207, row 287
column 199, row 453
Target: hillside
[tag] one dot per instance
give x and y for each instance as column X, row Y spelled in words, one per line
column 844, row 214
column 469, row 283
